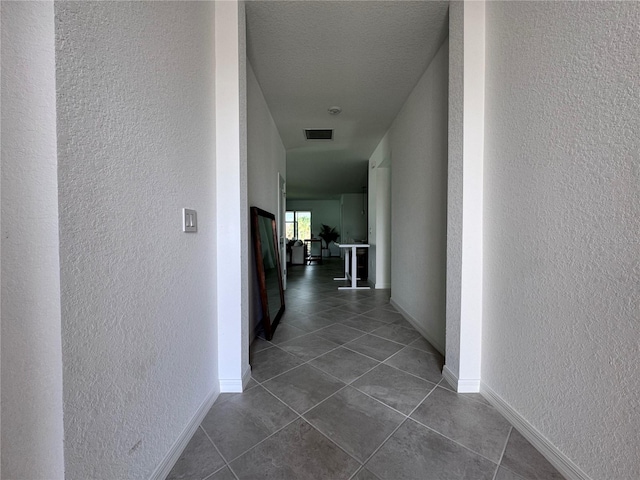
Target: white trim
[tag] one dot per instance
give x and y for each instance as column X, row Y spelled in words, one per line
column 460, row 386
column 172, row 456
column 232, row 385
column 235, row 385
column 558, row 459
column 418, row 327
column 381, row 286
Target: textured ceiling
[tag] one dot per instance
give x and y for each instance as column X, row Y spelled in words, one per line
column 364, row 56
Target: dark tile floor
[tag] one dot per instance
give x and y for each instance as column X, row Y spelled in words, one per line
column 348, row 389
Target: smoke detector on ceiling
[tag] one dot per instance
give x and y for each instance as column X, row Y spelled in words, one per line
column 334, row 110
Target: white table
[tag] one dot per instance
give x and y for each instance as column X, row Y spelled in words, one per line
column 354, row 265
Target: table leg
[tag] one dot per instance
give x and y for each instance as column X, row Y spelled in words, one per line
column 354, row 271
column 354, row 268
column 346, row 267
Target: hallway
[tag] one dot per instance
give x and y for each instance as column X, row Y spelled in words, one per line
column 348, row 389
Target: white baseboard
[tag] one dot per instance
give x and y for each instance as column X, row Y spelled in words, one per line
column 235, row 385
column 461, row 386
column 163, row 469
column 418, row 327
column 558, row 459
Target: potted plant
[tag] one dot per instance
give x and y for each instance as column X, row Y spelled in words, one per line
column 328, row 234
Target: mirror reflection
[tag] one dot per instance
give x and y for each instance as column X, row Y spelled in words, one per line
column 268, row 267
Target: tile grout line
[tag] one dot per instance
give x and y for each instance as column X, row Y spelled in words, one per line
column 407, row 417
column 454, row 441
column 503, row 451
column 331, row 375
column 270, row 435
column 226, row 464
column 360, row 464
column 363, row 316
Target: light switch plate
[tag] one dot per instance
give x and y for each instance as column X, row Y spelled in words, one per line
column 189, row 220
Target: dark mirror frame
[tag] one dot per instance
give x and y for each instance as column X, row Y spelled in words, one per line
column 270, row 317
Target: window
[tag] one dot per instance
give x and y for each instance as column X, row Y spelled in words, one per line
column 298, row 224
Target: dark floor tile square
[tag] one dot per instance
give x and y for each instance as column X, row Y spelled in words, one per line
column 271, row 362
column 477, row 426
column 297, row 452
column 223, row 397
column 423, row 344
column 311, row 308
column 374, row 347
column 259, row 344
column 522, row 458
column 344, row 364
column 365, row 324
column 355, row 307
column 223, row 474
column 397, row 333
column 403, row 322
column 332, row 301
column 397, row 389
column 308, row 347
column 244, row 419
column 365, row 474
column 335, row 315
column 416, row 362
column 284, row 333
column 354, row 421
column 376, row 301
column 384, row 315
column 198, row 460
column 415, row 452
column 311, row 323
column 250, row 384
column 505, row 474
column 303, row 387
column 294, row 308
column 339, row 333
column 350, row 295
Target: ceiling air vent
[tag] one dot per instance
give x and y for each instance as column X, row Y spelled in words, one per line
column 318, row 133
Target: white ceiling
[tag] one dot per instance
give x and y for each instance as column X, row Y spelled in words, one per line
column 364, row 56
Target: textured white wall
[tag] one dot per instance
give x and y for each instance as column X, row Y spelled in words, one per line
column 32, row 427
column 418, row 200
column 135, row 91
column 562, row 225
column 354, row 222
column 266, row 157
column 454, row 185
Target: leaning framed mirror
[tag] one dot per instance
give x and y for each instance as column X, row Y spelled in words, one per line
column 265, row 247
